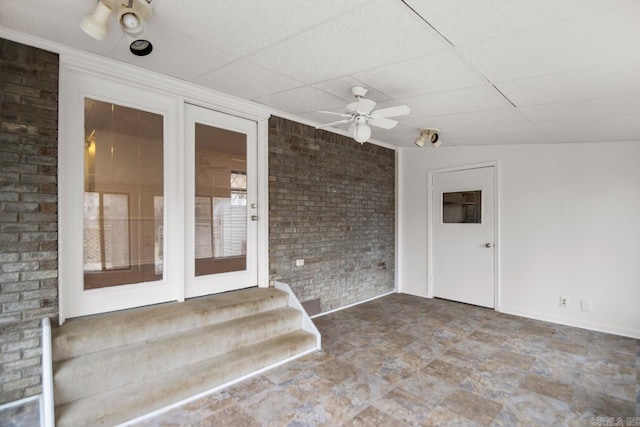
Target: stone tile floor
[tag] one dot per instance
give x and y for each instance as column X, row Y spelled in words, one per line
column 403, row 360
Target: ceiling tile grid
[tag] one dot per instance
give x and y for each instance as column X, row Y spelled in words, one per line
column 482, row 71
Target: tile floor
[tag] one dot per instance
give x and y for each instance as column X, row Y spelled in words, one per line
column 402, row 360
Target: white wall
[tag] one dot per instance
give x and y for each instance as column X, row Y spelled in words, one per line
column 569, row 226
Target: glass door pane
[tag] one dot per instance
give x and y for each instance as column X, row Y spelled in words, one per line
column 123, row 195
column 221, row 223
column 220, row 200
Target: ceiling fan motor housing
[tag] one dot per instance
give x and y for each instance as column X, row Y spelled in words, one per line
column 359, row 91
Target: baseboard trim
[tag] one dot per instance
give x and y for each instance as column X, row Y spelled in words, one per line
column 352, row 305
column 592, row 326
column 24, row 401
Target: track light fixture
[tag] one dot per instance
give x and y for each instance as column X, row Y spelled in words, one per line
column 95, row 24
column 131, row 17
column 431, row 135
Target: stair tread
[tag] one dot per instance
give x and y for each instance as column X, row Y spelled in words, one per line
column 99, row 371
column 103, row 331
column 141, row 397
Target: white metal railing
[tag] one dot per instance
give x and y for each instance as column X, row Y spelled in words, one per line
column 47, row 418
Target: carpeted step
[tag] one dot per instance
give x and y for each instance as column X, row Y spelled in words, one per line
column 99, row 332
column 124, row 403
column 97, row 372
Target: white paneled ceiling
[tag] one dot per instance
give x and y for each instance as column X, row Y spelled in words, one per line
column 483, row 71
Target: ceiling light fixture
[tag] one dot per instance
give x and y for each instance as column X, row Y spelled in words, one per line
column 95, row 24
column 431, row 135
column 359, row 130
column 131, row 18
column 141, row 47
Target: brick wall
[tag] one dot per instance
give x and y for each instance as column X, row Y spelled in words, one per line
column 28, row 212
column 331, row 203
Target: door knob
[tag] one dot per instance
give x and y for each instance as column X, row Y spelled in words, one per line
column 487, row 245
column 254, row 217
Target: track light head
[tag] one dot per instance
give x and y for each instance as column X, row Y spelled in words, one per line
column 95, row 24
column 431, row 135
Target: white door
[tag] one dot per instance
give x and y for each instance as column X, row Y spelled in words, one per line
column 463, row 240
column 141, row 207
column 117, row 185
column 220, row 202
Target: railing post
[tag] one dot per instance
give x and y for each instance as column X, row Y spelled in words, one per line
column 47, row 417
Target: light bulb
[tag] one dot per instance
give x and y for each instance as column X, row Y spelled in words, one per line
column 130, row 20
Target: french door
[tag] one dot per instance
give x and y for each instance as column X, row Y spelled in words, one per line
column 148, row 213
column 220, row 202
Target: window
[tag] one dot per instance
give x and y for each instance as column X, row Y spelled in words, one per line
column 123, row 195
column 462, row 207
column 220, row 200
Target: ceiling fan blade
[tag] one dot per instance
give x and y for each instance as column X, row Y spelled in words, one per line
column 400, row 110
column 333, row 123
column 365, row 106
column 383, row 123
column 335, row 114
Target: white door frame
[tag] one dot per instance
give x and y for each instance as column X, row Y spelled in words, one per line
column 75, row 63
column 496, row 261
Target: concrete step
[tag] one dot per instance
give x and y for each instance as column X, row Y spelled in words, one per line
column 100, row 332
column 97, row 372
column 135, row 399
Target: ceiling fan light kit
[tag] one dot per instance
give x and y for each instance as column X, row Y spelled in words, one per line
column 362, row 115
column 131, row 17
column 429, row 134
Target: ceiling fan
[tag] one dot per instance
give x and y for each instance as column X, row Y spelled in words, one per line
column 362, row 115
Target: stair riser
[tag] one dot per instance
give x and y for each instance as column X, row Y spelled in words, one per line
column 96, row 372
column 119, row 329
column 155, row 393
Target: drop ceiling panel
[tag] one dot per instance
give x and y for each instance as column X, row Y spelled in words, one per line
column 501, row 140
column 558, row 61
column 374, row 35
column 491, row 117
column 588, row 41
column 302, row 100
column 169, row 57
column 468, row 21
column 246, row 80
column 597, row 136
column 591, row 124
column 606, row 81
column 341, row 87
column 601, row 107
column 428, row 74
column 45, row 19
column 402, row 136
column 508, row 129
column 479, row 98
column 242, row 27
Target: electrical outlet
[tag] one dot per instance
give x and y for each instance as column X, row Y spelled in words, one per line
column 585, row 305
column 564, row 302
column 299, row 262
